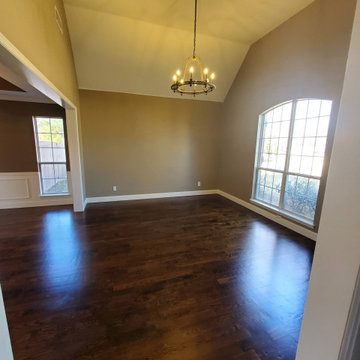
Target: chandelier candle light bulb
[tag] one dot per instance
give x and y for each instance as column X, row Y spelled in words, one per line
column 200, row 84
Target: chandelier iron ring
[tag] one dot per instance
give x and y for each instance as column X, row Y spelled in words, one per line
column 189, row 87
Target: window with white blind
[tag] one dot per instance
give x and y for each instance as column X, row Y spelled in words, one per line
column 51, row 155
column 290, row 155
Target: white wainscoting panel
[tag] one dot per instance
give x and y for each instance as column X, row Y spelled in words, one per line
column 22, row 189
column 12, row 188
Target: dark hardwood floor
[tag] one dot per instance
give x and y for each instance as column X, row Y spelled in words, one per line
column 174, row 279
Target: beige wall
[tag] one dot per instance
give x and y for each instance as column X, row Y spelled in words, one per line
column 305, row 57
column 17, row 143
column 30, row 26
column 145, row 144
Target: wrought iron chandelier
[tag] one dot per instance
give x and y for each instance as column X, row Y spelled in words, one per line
column 194, row 80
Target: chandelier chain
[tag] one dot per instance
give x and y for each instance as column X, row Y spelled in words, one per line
column 195, row 79
column 195, row 26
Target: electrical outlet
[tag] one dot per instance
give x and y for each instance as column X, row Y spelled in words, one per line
column 199, row 183
column 114, row 188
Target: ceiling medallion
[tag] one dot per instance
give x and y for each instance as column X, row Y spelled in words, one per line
column 194, row 80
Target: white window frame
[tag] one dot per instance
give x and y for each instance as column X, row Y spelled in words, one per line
column 257, row 168
column 39, row 162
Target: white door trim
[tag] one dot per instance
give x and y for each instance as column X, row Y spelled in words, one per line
column 21, row 65
column 352, row 334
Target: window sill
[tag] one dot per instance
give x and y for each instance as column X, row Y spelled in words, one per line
column 307, row 223
column 54, row 195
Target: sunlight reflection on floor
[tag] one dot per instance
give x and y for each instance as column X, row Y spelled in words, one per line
column 63, row 254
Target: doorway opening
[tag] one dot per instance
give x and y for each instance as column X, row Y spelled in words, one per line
column 36, row 85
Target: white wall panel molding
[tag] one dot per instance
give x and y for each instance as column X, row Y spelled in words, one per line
column 22, row 189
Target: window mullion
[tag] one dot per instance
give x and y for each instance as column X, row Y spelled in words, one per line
column 53, row 162
column 38, row 155
column 304, row 175
column 262, row 140
column 256, row 182
column 288, row 153
column 258, row 155
column 272, row 170
column 37, row 140
column 260, row 143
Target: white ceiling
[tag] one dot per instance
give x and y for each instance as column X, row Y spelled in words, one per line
column 136, row 46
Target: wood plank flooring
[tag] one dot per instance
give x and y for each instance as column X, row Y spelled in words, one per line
column 196, row 278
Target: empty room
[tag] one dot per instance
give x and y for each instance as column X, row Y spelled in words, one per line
column 179, row 180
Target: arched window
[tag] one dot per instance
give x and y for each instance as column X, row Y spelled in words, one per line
column 290, row 154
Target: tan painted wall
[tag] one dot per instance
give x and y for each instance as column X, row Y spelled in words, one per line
column 147, row 144
column 30, row 26
column 305, row 57
column 17, row 143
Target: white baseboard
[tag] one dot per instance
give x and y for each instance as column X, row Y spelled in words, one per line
column 35, row 203
column 274, row 217
column 101, row 199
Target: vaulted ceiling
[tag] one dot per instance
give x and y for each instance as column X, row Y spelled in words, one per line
column 136, row 46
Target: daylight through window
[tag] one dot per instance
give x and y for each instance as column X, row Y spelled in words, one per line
column 51, row 155
column 290, row 155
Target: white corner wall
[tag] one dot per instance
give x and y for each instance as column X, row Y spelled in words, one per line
column 337, row 254
column 5, row 344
